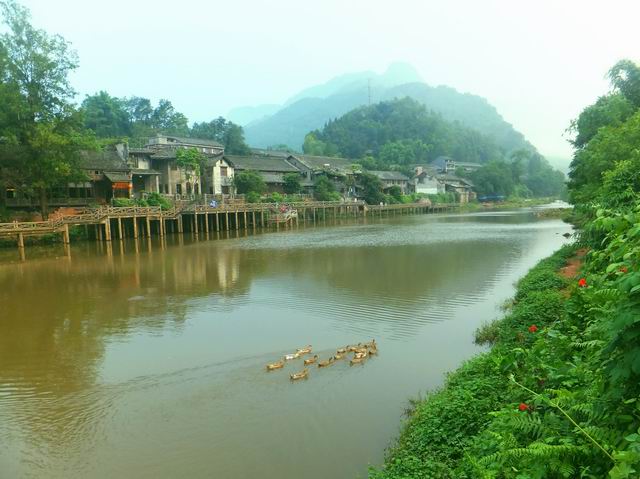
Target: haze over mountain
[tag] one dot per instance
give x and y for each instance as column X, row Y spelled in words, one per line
column 311, row 108
column 396, row 74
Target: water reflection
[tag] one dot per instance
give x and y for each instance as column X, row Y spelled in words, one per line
column 75, row 333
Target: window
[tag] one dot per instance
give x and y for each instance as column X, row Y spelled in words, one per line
column 223, row 171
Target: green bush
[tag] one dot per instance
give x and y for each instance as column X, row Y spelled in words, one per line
column 540, row 279
column 121, row 202
column 156, row 199
column 252, row 197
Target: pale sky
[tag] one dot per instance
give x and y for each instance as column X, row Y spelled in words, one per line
column 538, row 62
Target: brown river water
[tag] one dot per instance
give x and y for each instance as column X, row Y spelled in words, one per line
column 150, row 364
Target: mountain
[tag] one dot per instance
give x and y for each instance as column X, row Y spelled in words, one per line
column 310, row 109
column 246, row 114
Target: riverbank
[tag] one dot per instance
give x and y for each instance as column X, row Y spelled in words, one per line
column 456, row 431
column 557, row 394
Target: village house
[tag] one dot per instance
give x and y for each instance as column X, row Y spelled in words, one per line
column 425, row 182
column 341, row 171
column 461, row 187
column 446, row 165
column 271, row 169
column 217, row 177
column 393, row 178
column 159, row 158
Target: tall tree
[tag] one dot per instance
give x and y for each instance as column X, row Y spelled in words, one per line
column 625, row 78
column 107, row 116
column 225, row 132
column 47, row 132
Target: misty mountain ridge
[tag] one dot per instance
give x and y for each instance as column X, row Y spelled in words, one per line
column 311, row 108
column 395, row 74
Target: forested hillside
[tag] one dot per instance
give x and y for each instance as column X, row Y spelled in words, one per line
column 312, row 108
column 399, row 133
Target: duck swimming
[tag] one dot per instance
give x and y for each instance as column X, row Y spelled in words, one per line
column 305, row 350
column 301, row 375
column 289, row 357
column 276, row 365
column 356, row 361
column 328, row 362
column 360, row 354
column 311, row 360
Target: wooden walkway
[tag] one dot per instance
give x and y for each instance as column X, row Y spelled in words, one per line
column 108, row 222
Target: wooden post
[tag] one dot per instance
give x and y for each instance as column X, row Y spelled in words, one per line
column 206, row 223
column 107, row 230
column 66, row 239
column 253, row 219
column 245, row 219
column 180, row 225
column 237, row 225
column 135, row 227
column 98, row 232
column 226, row 222
column 195, row 222
column 217, row 223
column 120, row 228
column 21, row 240
column 161, row 225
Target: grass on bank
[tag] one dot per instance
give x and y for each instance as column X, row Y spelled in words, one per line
column 448, row 434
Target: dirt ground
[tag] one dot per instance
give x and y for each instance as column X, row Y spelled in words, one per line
column 573, row 264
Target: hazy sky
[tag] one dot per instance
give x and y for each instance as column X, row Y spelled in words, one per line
column 539, row 62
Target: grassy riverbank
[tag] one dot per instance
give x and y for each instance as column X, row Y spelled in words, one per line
column 449, row 423
column 556, row 396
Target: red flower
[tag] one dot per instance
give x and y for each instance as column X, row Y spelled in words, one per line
column 623, row 269
column 582, row 283
column 533, row 328
column 523, row 406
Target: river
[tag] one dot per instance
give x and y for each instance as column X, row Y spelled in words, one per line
column 150, row 364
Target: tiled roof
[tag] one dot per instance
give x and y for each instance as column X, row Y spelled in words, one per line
column 454, row 179
column 390, row 175
column 260, row 163
column 189, row 141
column 105, row 159
column 324, row 162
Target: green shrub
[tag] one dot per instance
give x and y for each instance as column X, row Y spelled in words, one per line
column 488, row 332
column 540, row 279
column 252, row 197
column 121, row 202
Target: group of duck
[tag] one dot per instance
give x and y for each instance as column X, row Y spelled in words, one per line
column 361, row 352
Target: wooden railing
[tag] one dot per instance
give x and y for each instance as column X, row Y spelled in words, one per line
column 100, row 214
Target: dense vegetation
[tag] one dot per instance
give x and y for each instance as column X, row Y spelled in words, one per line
column 313, row 108
column 135, row 117
column 400, row 133
column 41, row 132
column 558, row 395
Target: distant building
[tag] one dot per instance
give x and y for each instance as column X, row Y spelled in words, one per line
column 446, row 165
column 393, row 178
column 202, row 145
column 426, row 182
column 340, row 171
column 461, row 187
column 271, row 169
column 443, row 164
